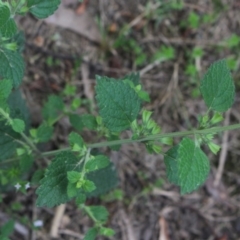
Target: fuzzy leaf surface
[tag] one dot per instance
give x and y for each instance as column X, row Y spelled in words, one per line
column 7, row 24
column 193, row 166
column 12, row 66
column 43, row 8
column 53, row 187
column 118, row 103
column 5, row 89
column 217, row 87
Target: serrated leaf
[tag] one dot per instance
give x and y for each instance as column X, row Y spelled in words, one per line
column 76, row 121
column 104, row 179
column 133, row 77
column 7, row 24
column 170, row 160
column 44, row 132
column 71, row 190
column 52, row 108
column 100, row 213
column 75, row 141
column 18, row 125
column 91, row 234
column 89, row 121
column 53, row 188
column 217, row 87
column 73, row 176
column 43, row 8
column 5, row 88
column 97, row 162
column 118, row 104
column 88, row 186
column 193, row 167
column 12, row 66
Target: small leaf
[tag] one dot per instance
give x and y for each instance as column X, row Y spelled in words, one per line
column 76, row 121
column 53, row 188
column 118, row 103
column 97, row 162
column 72, row 191
column 88, row 186
column 18, row 125
column 100, row 213
column 89, row 121
column 44, row 132
column 76, row 142
column 43, row 8
column 12, row 66
column 217, row 87
column 52, row 109
column 133, row 77
column 91, row 234
column 193, row 166
column 73, row 176
column 108, row 232
column 7, row 24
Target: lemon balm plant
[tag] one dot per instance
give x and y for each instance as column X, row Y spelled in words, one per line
column 81, row 171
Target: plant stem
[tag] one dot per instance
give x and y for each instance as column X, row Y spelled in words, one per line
column 152, row 137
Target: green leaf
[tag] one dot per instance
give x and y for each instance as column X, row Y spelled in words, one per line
column 133, row 77
column 89, row 121
column 43, row 8
column 18, row 125
column 72, row 191
column 118, row 103
column 88, row 186
column 73, row 176
column 76, row 142
column 76, row 121
column 5, row 88
column 97, row 162
column 108, row 232
column 217, row 87
column 104, row 179
column 170, row 160
column 7, row 228
column 19, row 110
column 12, row 66
column 7, row 24
column 26, row 162
column 193, row 166
column 52, row 109
column 91, row 234
column 80, row 199
column 100, row 213
column 53, row 188
column 44, row 132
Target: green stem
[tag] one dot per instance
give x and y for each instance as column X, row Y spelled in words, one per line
column 152, row 137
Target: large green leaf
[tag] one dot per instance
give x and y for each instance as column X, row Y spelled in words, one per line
column 193, row 166
column 11, row 66
column 43, row 8
column 217, row 87
column 53, row 187
column 118, row 103
column 7, row 24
